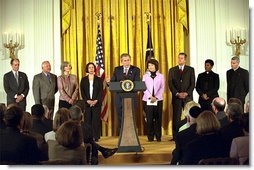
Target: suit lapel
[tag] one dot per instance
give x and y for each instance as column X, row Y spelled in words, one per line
column 44, row 77
column 13, row 79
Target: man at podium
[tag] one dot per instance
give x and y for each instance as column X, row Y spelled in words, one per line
column 124, row 72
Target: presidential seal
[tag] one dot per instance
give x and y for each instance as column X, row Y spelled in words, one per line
column 127, row 85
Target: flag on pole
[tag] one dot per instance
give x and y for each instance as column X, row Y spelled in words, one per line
column 149, row 46
column 100, row 71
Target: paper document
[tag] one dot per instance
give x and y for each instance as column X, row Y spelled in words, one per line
column 149, row 103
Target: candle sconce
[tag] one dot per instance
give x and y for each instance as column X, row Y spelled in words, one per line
column 237, row 39
column 13, row 42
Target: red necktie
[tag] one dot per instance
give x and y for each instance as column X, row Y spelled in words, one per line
column 180, row 70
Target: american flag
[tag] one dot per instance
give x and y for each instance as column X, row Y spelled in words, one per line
column 149, row 46
column 100, row 71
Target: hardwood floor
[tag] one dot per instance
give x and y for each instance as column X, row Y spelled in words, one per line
column 155, row 153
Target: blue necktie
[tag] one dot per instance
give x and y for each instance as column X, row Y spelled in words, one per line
column 49, row 78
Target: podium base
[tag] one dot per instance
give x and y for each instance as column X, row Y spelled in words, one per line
column 129, row 149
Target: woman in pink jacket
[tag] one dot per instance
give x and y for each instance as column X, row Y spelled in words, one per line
column 153, row 99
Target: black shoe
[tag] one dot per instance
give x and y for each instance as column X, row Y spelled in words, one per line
column 150, row 140
column 158, row 140
column 108, row 152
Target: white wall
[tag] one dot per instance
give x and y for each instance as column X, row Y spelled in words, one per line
column 208, row 21
column 39, row 21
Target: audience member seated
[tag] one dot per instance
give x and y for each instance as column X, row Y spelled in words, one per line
column 15, row 147
column 234, row 128
column 185, row 136
column 61, row 116
column 76, row 115
column 39, row 125
column 26, row 130
column 2, row 110
column 186, row 112
column 183, row 123
column 68, row 145
column 240, row 145
column 234, row 100
column 46, row 118
column 218, row 106
column 208, row 144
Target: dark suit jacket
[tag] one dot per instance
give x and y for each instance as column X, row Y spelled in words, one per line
column 97, row 90
column 40, row 127
column 231, row 131
column 43, row 90
column 181, row 140
column 11, row 88
column 237, row 84
column 212, row 86
column 133, row 74
column 118, row 75
column 203, row 147
column 184, row 83
column 17, row 148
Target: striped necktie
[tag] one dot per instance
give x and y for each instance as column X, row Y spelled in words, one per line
column 17, row 77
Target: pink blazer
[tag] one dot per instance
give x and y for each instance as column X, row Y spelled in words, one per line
column 157, row 83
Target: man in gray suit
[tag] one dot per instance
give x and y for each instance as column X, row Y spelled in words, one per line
column 16, row 85
column 45, row 87
column 181, row 81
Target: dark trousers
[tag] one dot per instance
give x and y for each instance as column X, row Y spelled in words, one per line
column 93, row 119
column 205, row 104
column 154, row 118
column 64, row 104
column 178, row 105
column 119, row 110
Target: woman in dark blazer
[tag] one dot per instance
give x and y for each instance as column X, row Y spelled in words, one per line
column 209, row 143
column 91, row 88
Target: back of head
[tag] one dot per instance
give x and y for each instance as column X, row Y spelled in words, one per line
column 207, row 123
column 234, row 111
column 13, row 116
column 69, row 135
column 27, row 122
column 189, row 105
column 61, row 116
column 2, row 110
column 219, row 103
column 37, row 110
column 234, row 100
column 195, row 111
column 75, row 113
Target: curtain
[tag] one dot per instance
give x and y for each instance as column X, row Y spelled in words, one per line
column 124, row 30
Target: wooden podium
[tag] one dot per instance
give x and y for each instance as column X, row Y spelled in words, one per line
column 128, row 138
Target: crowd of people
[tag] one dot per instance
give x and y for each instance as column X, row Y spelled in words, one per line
column 207, row 130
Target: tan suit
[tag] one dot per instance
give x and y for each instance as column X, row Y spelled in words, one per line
column 75, row 156
column 240, row 148
column 44, row 90
column 68, row 87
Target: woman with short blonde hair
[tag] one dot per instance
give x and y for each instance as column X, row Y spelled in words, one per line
column 67, row 84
